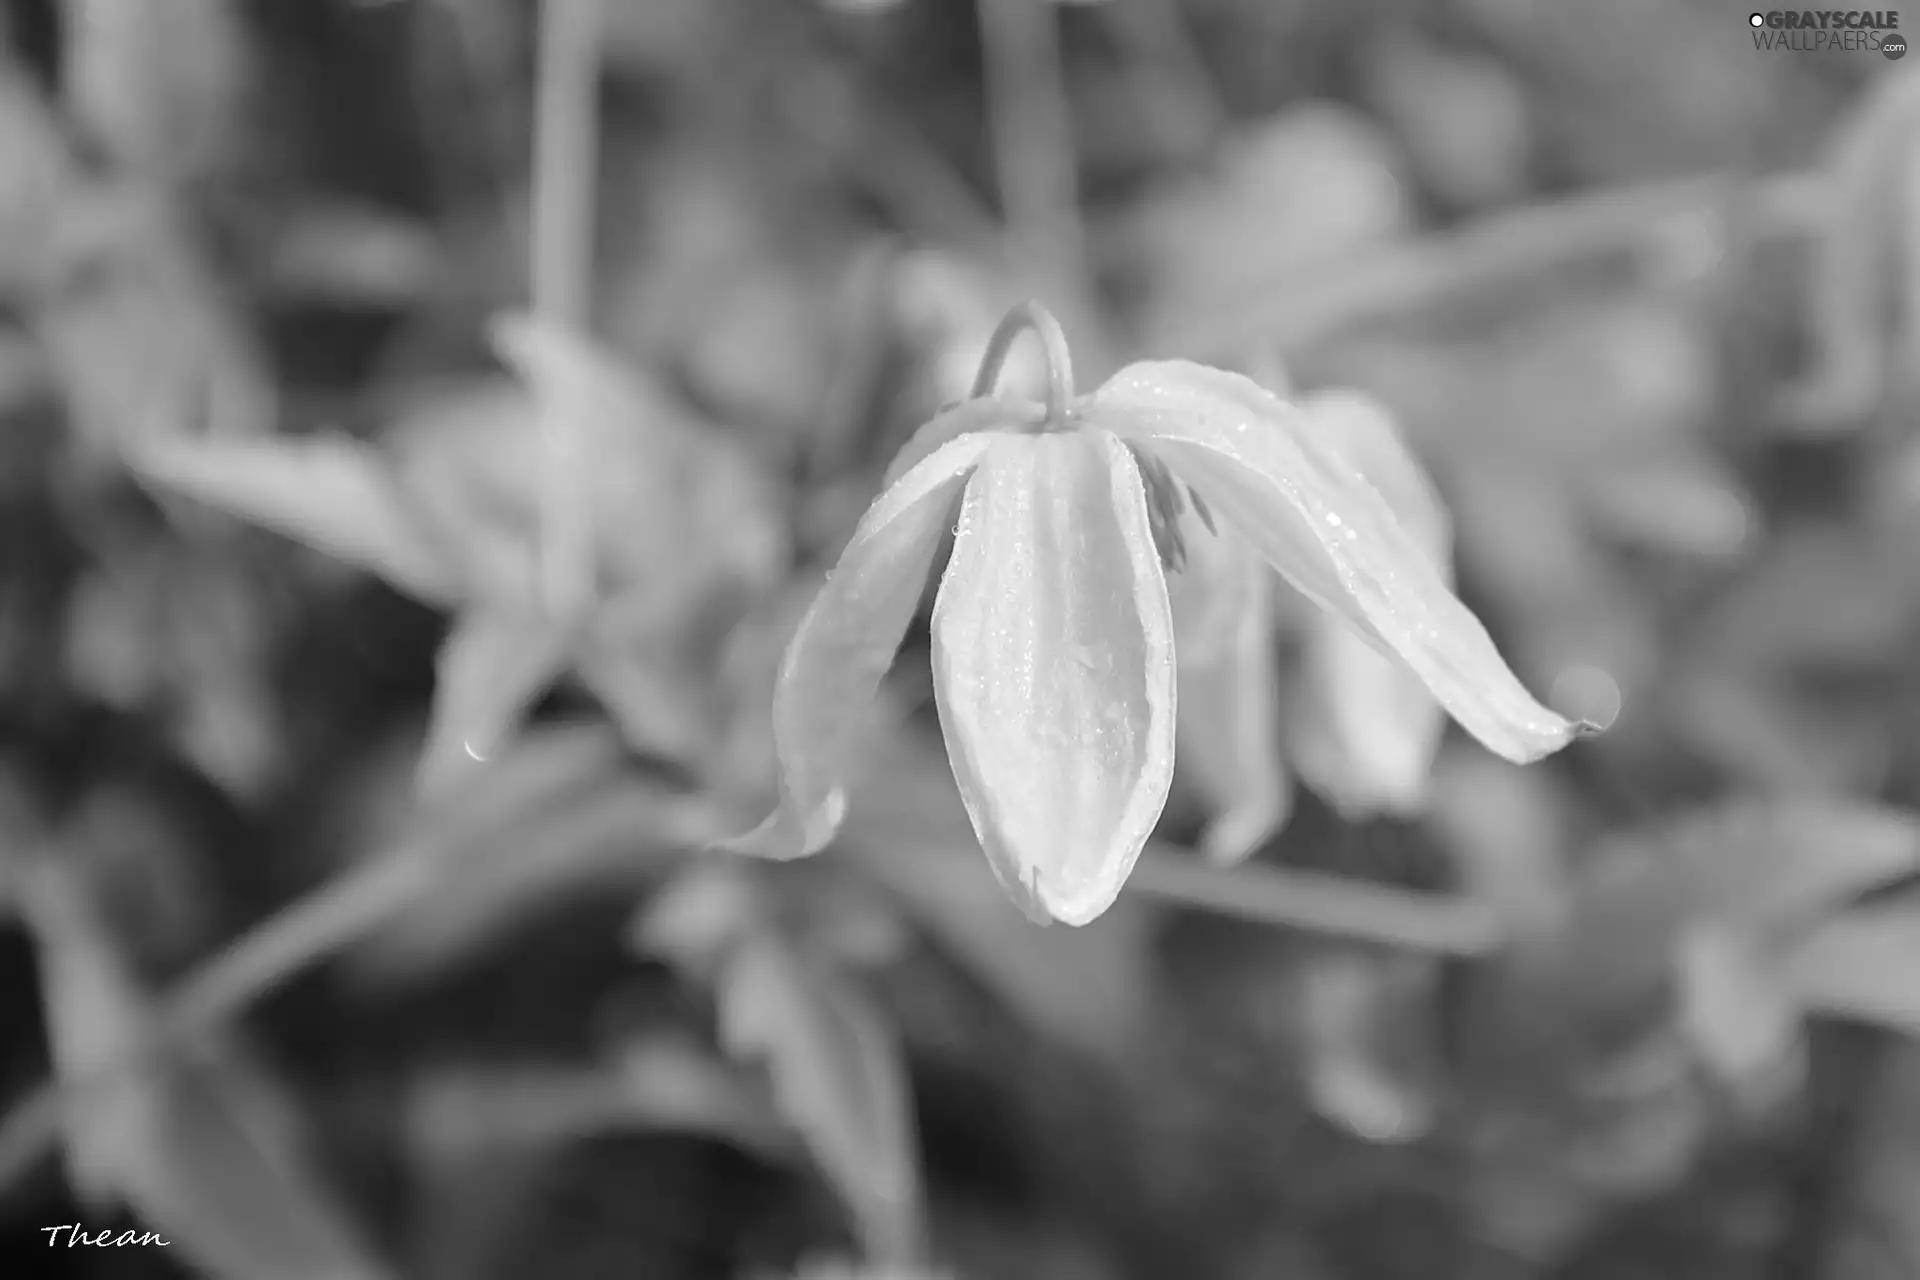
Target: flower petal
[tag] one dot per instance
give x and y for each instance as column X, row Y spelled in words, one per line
column 1364, row 729
column 987, row 413
column 1230, row 720
column 1362, row 430
column 1266, row 467
column 843, row 646
column 1211, row 592
column 1053, row 669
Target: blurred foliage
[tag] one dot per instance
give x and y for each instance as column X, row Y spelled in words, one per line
column 357, row 903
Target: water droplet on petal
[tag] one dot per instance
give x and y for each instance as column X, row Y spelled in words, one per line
column 475, row 754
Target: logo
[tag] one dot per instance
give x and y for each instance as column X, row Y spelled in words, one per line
column 1829, row 30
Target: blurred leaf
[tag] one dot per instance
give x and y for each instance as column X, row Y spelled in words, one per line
column 659, row 694
column 1740, row 1016
column 1772, row 739
column 833, row 912
column 669, row 36
column 492, row 667
column 748, row 672
column 205, row 1150
column 1508, row 831
column 1862, row 964
column 684, row 532
column 33, row 182
column 945, row 307
column 739, row 241
column 1610, row 107
column 1870, row 1225
column 1368, row 1066
column 678, row 508
column 189, row 641
column 760, row 349
column 152, row 881
column 699, row 916
column 1758, row 867
column 1649, row 1119
column 1587, row 1042
column 1751, row 678
column 454, row 869
column 1676, row 506
column 588, row 832
column 329, row 492
column 162, row 93
column 831, row 1270
column 460, row 1114
column 1463, row 118
column 1896, row 491
column 1778, row 864
column 1300, row 187
column 1616, row 1131
column 705, row 910
column 1859, row 254
column 349, row 255
column 836, row 1074
column 139, row 331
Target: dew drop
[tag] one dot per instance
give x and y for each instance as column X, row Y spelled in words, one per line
column 1333, row 519
column 471, row 752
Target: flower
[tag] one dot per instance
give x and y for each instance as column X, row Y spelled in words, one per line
column 1053, row 635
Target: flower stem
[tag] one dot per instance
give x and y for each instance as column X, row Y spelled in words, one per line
column 1036, row 163
column 1053, row 342
column 566, row 136
column 1327, row 905
column 1304, row 308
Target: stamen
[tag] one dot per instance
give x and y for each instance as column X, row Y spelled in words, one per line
column 1201, row 509
column 1163, row 510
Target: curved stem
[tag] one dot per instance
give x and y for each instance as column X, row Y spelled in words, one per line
column 1053, row 342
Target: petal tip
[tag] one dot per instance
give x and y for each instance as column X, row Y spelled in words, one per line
column 785, row 835
column 1548, row 740
column 1074, row 910
column 1238, row 834
column 1044, row 904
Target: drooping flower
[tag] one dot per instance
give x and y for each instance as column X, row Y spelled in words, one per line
column 1053, row 635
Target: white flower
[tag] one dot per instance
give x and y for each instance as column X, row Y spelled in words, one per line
column 1053, row 639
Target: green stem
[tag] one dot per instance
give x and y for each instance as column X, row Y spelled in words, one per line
column 566, row 138
column 1053, row 342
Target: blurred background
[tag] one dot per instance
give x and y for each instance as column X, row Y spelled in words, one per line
column 353, row 915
